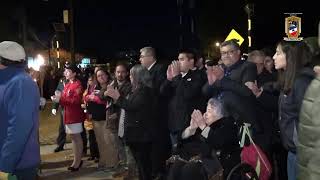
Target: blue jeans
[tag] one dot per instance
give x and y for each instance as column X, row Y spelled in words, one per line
column 292, row 166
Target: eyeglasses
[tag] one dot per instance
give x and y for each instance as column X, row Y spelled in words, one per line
column 142, row 56
column 227, row 53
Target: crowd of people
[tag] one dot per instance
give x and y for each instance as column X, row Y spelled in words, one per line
column 177, row 122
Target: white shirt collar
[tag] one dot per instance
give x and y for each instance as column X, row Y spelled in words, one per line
column 183, row 74
column 151, row 65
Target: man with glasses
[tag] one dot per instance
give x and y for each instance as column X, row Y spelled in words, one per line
column 161, row 141
column 263, row 76
column 227, row 82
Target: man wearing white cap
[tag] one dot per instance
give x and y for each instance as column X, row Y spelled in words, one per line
column 19, row 114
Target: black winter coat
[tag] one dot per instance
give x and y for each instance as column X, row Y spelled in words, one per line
column 290, row 106
column 139, row 114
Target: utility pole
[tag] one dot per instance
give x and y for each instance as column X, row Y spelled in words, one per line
column 24, row 28
column 72, row 50
column 180, row 9
column 249, row 8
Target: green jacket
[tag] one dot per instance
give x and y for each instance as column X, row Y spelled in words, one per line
column 308, row 160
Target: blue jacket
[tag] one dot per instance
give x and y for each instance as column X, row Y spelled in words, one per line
column 19, row 120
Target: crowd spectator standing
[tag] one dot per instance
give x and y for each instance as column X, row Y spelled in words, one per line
column 97, row 109
column 308, row 146
column 292, row 59
column 20, row 150
column 88, row 124
column 227, row 82
column 115, row 122
column 183, row 88
column 161, row 140
column 139, row 116
column 71, row 99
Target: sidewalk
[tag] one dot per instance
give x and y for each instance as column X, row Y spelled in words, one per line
column 54, row 166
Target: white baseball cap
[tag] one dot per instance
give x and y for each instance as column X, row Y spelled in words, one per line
column 12, row 51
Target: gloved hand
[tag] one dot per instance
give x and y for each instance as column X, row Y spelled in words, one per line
column 54, row 111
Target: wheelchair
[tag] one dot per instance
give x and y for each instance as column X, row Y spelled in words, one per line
column 242, row 171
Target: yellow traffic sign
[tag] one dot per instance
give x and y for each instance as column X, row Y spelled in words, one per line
column 234, row 35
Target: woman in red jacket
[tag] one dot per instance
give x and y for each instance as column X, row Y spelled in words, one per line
column 71, row 98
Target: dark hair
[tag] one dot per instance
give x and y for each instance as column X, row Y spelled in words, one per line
column 73, row 67
column 268, row 51
column 211, row 62
column 232, row 42
column 123, row 65
column 298, row 55
column 8, row 62
column 106, row 72
column 189, row 53
column 92, row 76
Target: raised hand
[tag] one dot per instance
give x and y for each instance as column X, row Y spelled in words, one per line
column 193, row 124
column 254, row 88
column 169, row 73
column 198, row 117
column 54, row 111
column 211, row 76
column 175, row 68
column 113, row 93
column 218, row 72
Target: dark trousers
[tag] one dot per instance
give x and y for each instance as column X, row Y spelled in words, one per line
column 84, row 139
column 141, row 152
column 61, row 139
column 26, row 174
column 161, row 149
column 94, row 151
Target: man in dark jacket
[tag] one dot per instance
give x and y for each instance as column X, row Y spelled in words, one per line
column 227, row 82
column 183, row 88
column 61, row 139
column 161, row 142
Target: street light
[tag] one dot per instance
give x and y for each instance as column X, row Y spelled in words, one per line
column 37, row 63
column 217, row 44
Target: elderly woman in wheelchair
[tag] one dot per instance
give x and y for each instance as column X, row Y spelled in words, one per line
column 208, row 147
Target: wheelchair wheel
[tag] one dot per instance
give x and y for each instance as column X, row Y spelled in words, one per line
column 242, row 171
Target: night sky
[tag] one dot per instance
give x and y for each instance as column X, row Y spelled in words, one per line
column 106, row 27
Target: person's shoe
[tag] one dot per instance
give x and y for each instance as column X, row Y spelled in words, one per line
column 109, row 169
column 73, row 169
column 58, row 149
column 91, row 158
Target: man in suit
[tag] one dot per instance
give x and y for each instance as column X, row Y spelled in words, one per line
column 227, row 82
column 183, row 88
column 161, row 140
